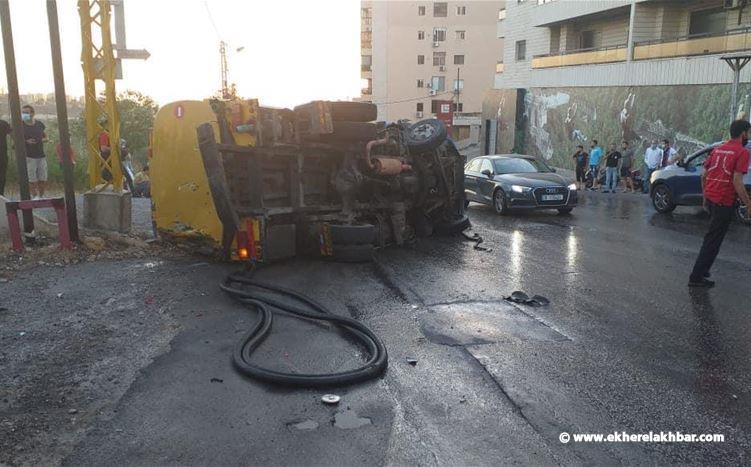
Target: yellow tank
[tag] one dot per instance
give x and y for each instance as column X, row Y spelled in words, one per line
column 182, row 205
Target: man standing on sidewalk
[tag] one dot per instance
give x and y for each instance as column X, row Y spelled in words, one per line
column 594, row 164
column 580, row 162
column 652, row 161
column 36, row 161
column 722, row 182
column 627, row 161
column 611, row 169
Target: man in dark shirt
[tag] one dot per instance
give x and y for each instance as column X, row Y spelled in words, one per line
column 611, row 169
column 36, row 162
column 722, row 184
column 4, row 132
column 581, row 159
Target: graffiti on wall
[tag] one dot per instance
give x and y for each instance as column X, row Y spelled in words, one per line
column 557, row 120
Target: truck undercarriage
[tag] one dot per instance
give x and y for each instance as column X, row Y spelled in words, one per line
column 322, row 179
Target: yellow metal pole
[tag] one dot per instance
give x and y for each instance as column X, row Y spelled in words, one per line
column 98, row 62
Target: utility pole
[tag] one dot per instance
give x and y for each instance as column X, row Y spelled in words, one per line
column 14, row 102
column 456, row 99
column 62, row 119
column 736, row 63
column 225, row 69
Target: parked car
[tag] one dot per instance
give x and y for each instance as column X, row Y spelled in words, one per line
column 513, row 181
column 680, row 184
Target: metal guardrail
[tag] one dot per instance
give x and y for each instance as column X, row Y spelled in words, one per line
column 609, row 54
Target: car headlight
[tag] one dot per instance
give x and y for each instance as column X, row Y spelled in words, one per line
column 572, row 187
column 520, row 189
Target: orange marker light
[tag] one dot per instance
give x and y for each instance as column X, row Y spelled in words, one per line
column 242, row 253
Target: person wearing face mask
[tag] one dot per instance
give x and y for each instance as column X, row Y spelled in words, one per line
column 36, row 161
column 722, row 185
column 652, row 162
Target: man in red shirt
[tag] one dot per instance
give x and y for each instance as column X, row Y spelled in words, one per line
column 722, row 182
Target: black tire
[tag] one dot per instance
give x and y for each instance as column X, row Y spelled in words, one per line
column 426, row 135
column 352, row 253
column 662, row 199
column 353, row 112
column 454, row 226
column 499, row 202
column 565, row 211
column 364, row 234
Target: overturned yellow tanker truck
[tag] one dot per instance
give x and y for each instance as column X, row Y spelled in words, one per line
column 262, row 184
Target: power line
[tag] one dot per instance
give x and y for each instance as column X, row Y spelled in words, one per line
column 211, row 19
column 412, row 99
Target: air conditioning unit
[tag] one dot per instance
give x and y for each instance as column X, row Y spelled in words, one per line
column 734, row 4
column 442, row 68
column 436, row 44
column 429, row 85
column 418, row 114
column 432, row 92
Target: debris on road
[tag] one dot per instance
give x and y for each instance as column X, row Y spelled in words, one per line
column 330, row 399
column 217, row 380
column 521, row 297
column 412, row 361
column 475, row 237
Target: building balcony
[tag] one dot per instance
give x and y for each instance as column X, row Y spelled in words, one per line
column 615, row 53
column 704, row 44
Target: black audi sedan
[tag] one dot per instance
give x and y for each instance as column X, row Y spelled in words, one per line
column 512, row 181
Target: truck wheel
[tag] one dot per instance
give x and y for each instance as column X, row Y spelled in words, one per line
column 353, row 112
column 353, row 234
column 426, row 135
column 454, row 226
column 353, row 253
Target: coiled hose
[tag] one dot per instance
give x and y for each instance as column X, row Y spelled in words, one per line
column 249, row 297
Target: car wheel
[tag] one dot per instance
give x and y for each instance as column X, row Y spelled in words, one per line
column 662, row 199
column 499, row 202
column 565, row 211
column 426, row 135
column 353, row 234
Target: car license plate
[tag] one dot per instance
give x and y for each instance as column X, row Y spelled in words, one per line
column 552, row 197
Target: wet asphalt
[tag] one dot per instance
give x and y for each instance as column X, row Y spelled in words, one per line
column 624, row 346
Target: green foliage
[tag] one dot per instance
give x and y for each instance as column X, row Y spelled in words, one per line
column 137, row 113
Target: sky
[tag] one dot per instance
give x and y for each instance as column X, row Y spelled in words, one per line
column 294, row 50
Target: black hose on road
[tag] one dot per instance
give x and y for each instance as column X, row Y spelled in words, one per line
column 249, row 297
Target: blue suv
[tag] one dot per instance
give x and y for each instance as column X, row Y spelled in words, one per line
column 680, row 184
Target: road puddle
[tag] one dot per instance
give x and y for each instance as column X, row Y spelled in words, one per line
column 304, row 425
column 348, row 420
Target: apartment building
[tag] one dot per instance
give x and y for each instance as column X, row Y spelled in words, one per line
column 422, row 59
column 616, row 70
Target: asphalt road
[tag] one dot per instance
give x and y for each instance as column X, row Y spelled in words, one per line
column 119, row 370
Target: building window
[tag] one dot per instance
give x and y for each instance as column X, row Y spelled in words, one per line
column 707, row 22
column 440, row 9
column 366, row 62
column 458, row 59
column 458, row 84
column 438, row 84
column 421, row 59
column 439, row 34
column 420, row 83
column 501, row 14
column 521, row 50
column 587, row 40
column 461, row 10
column 439, row 58
column 499, row 67
column 461, row 35
column 542, row 2
column 461, row 107
column 419, row 107
column 435, row 106
column 421, row 11
column 420, row 35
